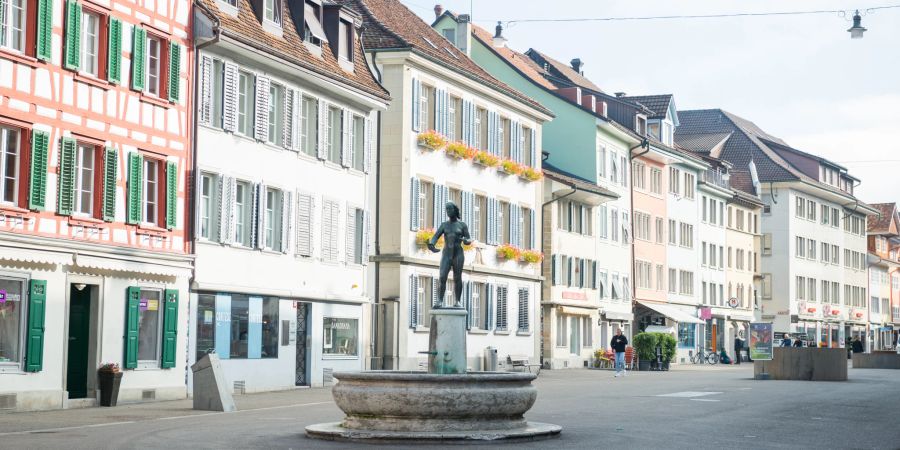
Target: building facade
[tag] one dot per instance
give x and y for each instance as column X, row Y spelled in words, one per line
column 282, row 285
column 742, row 264
column 884, row 276
column 95, row 101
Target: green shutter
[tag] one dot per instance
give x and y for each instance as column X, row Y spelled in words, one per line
column 37, row 305
column 135, row 186
column 73, row 35
column 110, row 170
column 132, row 313
column 174, row 71
column 138, row 46
column 171, row 194
column 44, row 42
column 114, row 52
column 37, row 195
column 170, row 328
column 66, row 201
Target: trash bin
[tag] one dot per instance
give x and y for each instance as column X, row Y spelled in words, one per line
column 490, row 360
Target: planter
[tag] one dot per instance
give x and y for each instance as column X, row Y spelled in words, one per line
column 665, row 365
column 643, row 365
column 109, row 387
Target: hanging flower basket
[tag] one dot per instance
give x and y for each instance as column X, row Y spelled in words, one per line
column 531, row 256
column 508, row 252
column 423, row 237
column 531, row 174
column 485, row 159
column 432, row 140
column 511, row 167
column 458, row 150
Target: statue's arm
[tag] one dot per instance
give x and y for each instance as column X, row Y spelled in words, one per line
column 466, row 239
column 434, row 239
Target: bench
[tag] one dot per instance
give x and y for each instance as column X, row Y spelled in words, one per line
column 522, row 362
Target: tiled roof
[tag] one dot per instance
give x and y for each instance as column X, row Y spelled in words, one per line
column 391, row 25
column 247, row 29
column 525, row 65
column 881, row 222
column 742, row 181
column 659, row 104
column 702, row 143
column 562, row 75
column 555, row 173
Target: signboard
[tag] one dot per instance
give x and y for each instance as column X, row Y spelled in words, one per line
column 705, row 313
column 761, row 339
column 733, row 302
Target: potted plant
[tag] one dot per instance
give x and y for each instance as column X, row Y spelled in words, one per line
column 431, row 140
column 109, row 377
column 485, row 159
column 507, row 252
column 669, row 348
column 531, row 256
column 645, row 346
column 511, row 167
column 531, row 174
column 458, row 150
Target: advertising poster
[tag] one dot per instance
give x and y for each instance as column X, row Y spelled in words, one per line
column 761, row 338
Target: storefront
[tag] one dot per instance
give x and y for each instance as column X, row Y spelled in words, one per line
column 269, row 343
column 680, row 321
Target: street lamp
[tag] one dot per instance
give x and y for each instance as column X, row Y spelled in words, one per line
column 857, row 30
column 499, row 40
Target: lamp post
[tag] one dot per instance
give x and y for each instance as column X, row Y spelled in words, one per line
column 857, row 30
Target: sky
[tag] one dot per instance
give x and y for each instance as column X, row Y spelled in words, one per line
column 798, row 77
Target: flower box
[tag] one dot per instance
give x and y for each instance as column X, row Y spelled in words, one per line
column 423, row 237
column 531, row 174
column 508, row 252
column 485, row 159
column 431, row 140
column 531, row 256
column 109, row 378
column 511, row 167
column 458, row 150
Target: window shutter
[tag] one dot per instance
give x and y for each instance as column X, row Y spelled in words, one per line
column 492, row 222
column 466, row 207
column 66, row 192
column 114, row 51
column 37, row 306
column 435, row 295
column 72, row 58
column 368, row 145
column 437, row 211
column 467, row 297
column 554, row 271
column 413, row 295
column 258, row 216
column 204, row 112
column 466, row 123
column 593, row 274
column 533, row 149
column 132, row 303
column 569, row 271
column 44, row 41
column 287, row 214
column 368, row 243
column 262, row 108
column 416, row 104
column 37, row 197
column 523, row 310
column 489, row 314
column 520, row 143
column 322, row 145
column 305, row 208
column 581, row 265
column 492, row 133
column 414, row 204
column 227, row 192
column 175, row 72
column 350, row 241
column 170, row 329
column 532, row 244
column 289, row 130
column 230, row 98
column 138, row 50
column 135, row 187
column 110, row 173
column 171, row 195
column 346, row 138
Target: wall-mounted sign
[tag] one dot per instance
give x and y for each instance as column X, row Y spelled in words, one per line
column 705, row 313
column 733, row 302
column 2, row 296
column 574, row 295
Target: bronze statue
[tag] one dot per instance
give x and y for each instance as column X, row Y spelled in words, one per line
column 455, row 233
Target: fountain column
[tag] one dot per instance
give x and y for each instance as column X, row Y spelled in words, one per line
column 447, row 341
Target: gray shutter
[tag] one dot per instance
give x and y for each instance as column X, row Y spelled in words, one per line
column 230, row 98
column 445, row 111
column 438, row 205
column 467, row 206
column 497, row 135
column 227, row 199
column 520, row 142
column 346, row 138
column 569, row 271
column 262, row 108
column 350, row 241
column 467, row 296
column 290, row 111
column 466, row 122
column 581, row 266
column 369, row 145
column 532, row 244
column 523, row 310
column 368, row 244
column 205, row 110
column 322, row 144
column 416, row 104
column 438, row 111
column 257, row 219
column 492, row 218
column 287, row 214
column 489, row 288
column 414, row 204
column 413, row 296
column 533, row 149
column 554, row 270
column 305, row 211
column 435, row 297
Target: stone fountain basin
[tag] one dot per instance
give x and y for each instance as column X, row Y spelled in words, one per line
column 424, row 402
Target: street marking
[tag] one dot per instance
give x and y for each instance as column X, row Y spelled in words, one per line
column 688, row 394
column 97, row 425
column 703, row 400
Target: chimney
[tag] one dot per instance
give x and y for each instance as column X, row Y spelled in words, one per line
column 464, row 33
column 589, row 102
column 577, row 65
column 620, row 94
column 438, row 11
column 602, row 108
column 572, row 94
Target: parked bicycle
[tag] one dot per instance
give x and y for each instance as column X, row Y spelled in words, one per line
column 701, row 356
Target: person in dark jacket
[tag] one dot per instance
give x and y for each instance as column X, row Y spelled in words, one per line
column 786, row 342
column 738, row 348
column 857, row 345
column 798, row 342
column 618, row 344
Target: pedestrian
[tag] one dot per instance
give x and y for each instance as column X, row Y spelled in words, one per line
column 798, row 342
column 738, row 347
column 857, row 345
column 618, row 344
column 786, row 342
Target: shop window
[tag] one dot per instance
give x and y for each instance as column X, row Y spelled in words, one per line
column 10, row 161
column 269, row 327
column 340, row 336
column 206, row 324
column 12, row 322
column 149, row 328
column 238, row 326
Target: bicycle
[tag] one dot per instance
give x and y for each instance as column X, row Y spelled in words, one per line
column 701, row 356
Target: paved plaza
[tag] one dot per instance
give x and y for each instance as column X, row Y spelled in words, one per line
column 689, row 407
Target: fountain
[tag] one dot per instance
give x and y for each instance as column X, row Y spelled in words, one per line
column 447, row 403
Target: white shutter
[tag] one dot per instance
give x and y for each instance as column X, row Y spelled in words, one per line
column 533, row 149
column 414, row 204
column 368, row 244
column 221, row 208
column 523, row 310
column 413, row 296
column 322, row 144
column 230, row 98
column 369, row 145
column 289, row 129
column 205, row 110
column 557, row 265
column 227, row 199
column 287, row 214
column 466, row 207
column 346, row 138
column 466, row 123
column 301, row 122
column 491, row 132
column 435, row 297
column 258, row 219
column 305, row 211
column 492, row 222
column 350, row 237
column 416, row 104
column 327, row 231
column 262, row 108
column 532, row 244
column 436, row 205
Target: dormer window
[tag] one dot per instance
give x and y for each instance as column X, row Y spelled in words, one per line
column 345, row 46
column 640, row 124
column 272, row 11
column 312, row 27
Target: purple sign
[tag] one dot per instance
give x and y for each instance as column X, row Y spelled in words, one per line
column 143, row 304
column 705, row 313
column 2, row 296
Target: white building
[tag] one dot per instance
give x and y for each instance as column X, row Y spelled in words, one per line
column 435, row 86
column 285, row 178
column 742, row 264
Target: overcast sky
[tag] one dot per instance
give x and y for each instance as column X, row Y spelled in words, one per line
column 800, row 78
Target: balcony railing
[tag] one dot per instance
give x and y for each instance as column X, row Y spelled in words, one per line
column 714, row 177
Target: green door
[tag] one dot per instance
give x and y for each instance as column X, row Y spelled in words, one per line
column 79, row 337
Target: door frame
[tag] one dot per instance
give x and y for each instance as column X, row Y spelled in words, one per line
column 95, row 348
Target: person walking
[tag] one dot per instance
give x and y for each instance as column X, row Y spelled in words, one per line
column 857, row 345
column 738, row 347
column 618, row 344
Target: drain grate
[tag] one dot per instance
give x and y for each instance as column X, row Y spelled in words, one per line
column 149, row 394
column 8, row 401
column 240, row 387
column 327, row 375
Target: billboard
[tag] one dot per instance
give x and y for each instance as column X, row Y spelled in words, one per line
column 761, row 338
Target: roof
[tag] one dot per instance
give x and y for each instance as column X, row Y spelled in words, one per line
column 389, row 24
column 562, row 75
column 741, row 180
column 247, row 28
column 702, row 143
column 554, row 173
column 881, row 222
column 659, row 104
column 525, row 65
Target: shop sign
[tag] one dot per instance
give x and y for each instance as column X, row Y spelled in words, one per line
column 761, row 341
column 733, row 302
column 574, row 295
column 2, row 296
column 705, row 313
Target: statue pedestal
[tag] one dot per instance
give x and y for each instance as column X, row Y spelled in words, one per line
column 447, row 341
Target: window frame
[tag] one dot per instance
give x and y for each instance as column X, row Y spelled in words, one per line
column 248, row 93
column 27, row 32
column 96, row 170
column 101, row 42
column 18, row 365
column 147, row 363
column 157, row 188
column 276, row 114
column 276, row 10
column 22, row 147
column 162, row 64
column 242, row 228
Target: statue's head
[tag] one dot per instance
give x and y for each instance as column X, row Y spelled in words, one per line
column 453, row 211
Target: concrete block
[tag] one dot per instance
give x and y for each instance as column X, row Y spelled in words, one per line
column 210, row 388
column 447, row 341
column 810, row 364
column 876, row 360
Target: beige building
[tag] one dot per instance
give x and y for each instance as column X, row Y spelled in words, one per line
column 742, row 260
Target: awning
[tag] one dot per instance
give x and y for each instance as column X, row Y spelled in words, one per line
column 575, row 310
column 34, row 256
column 136, row 266
column 612, row 315
column 671, row 312
column 659, row 329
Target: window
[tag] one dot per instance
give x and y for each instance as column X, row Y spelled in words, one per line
column 686, row 334
column 674, row 179
column 90, row 43
column 242, row 205
column 613, row 168
column 313, row 33
column 835, row 254
column 273, row 219
column 359, row 143
column 149, row 327
column 246, row 98
column 800, row 248
column 642, row 226
column 624, row 168
column 272, row 11
column 655, row 181
column 766, row 285
column 335, row 132
column 562, row 334
column 712, row 211
column 526, row 147
column 207, row 210
column 454, row 125
column 687, row 235
column 276, row 114
column 525, row 215
column 479, row 306
column 660, row 230
column 340, row 336
column 689, row 185
column 151, row 192
column 811, row 289
column 673, row 235
column 502, row 307
column 638, row 173
column 800, row 207
column 811, row 210
column 643, row 274
column 479, row 130
column 217, row 89
column 345, row 46
column 659, row 277
column 479, row 228
column 601, row 162
column 309, row 125
column 687, row 282
column 13, row 24
column 811, row 249
column 825, row 214
column 154, row 63
column 10, row 157
column 237, row 326
column 523, row 322
column 673, row 281
column 703, row 292
column 505, row 137
column 359, row 253
column 614, row 225
column 730, row 258
column 84, row 179
column 426, row 114
column 835, row 217
column 602, row 283
column 587, row 333
column 505, row 219
column 424, row 300
column 801, row 288
column 614, row 287
column 12, row 320
column 449, row 34
column 712, row 255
